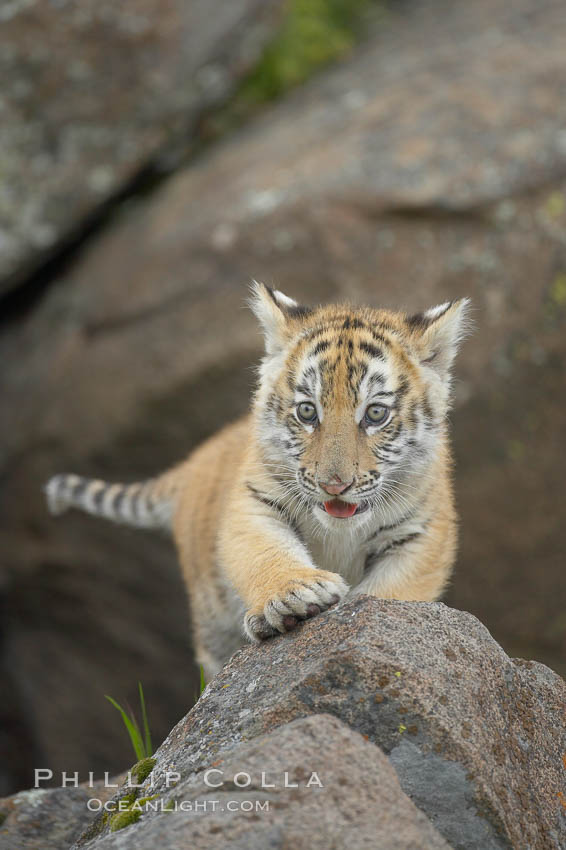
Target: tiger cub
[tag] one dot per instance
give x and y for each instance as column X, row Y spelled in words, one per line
column 338, row 481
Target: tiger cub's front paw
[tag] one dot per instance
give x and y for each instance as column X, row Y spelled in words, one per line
column 299, row 600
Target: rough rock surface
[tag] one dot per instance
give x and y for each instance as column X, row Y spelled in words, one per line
column 48, row 819
column 93, row 90
column 428, row 166
column 358, row 803
column 477, row 739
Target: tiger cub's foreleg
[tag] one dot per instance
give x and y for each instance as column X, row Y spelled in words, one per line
column 271, row 569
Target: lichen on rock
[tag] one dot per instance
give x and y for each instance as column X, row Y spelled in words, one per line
column 141, row 770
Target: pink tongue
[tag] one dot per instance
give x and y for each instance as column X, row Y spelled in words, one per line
column 340, row 509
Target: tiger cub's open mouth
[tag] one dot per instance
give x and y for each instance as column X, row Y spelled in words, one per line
column 344, row 510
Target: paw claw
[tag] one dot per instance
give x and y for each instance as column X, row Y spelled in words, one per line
column 257, row 628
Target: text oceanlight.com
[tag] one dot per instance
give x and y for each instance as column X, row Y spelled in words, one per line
column 164, row 780
column 191, row 806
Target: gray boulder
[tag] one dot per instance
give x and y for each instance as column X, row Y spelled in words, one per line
column 48, row 818
column 93, row 92
column 476, row 738
column 312, row 784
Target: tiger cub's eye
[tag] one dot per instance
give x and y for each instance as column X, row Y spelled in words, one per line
column 376, row 414
column 306, row 412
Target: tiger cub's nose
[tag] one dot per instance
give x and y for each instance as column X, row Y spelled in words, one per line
column 335, row 486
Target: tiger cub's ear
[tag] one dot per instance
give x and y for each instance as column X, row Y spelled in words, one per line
column 276, row 313
column 438, row 332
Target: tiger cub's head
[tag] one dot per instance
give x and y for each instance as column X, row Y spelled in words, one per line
column 352, row 401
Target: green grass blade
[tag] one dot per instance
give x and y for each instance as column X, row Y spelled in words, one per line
column 202, row 682
column 147, row 734
column 132, row 727
column 139, row 746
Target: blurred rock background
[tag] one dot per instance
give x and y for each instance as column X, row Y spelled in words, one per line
column 154, row 156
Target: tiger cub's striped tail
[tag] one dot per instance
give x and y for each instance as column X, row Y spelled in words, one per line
column 146, row 504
